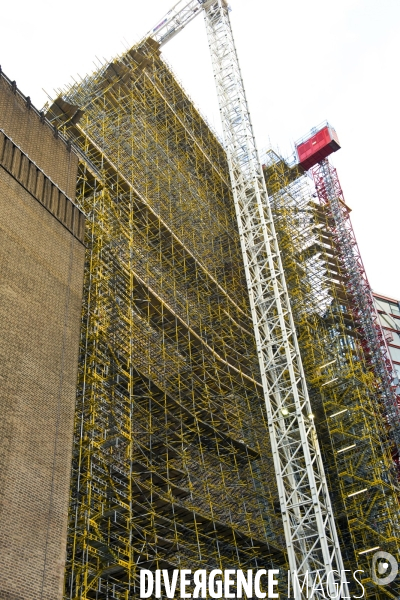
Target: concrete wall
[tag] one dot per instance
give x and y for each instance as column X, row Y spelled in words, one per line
column 41, row 276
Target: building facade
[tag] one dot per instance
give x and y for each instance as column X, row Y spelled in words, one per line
column 41, row 277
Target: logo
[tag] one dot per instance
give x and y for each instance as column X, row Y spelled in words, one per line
column 384, row 568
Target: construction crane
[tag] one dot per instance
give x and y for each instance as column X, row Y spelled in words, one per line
column 310, row 531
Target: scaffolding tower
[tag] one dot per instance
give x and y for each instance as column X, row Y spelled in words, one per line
column 349, row 415
column 362, row 304
column 172, row 462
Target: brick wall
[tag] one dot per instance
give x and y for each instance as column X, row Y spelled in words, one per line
column 41, row 276
column 37, row 138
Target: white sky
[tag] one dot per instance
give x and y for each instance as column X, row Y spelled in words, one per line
column 302, row 63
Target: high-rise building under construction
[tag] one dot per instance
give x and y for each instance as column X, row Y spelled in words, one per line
column 343, row 351
column 173, row 465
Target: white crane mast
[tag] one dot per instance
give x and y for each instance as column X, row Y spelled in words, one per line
column 309, row 526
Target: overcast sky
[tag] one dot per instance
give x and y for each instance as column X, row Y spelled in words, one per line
column 302, row 63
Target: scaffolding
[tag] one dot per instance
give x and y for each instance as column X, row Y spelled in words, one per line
column 362, row 305
column 172, row 461
column 173, row 465
column 349, row 415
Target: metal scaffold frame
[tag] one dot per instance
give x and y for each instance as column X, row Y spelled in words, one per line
column 348, row 412
column 330, row 194
column 172, row 460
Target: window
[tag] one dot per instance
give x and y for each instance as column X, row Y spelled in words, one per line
column 388, row 335
column 387, row 306
column 382, row 304
column 395, row 353
column 397, row 370
column 388, row 321
column 395, row 337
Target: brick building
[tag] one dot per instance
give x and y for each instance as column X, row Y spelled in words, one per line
column 41, row 275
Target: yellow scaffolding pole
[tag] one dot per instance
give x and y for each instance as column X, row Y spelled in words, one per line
column 172, row 463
